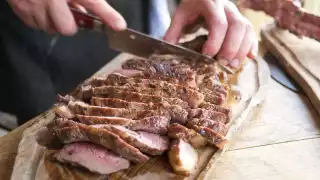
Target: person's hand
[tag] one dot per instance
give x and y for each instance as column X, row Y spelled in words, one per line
column 55, row 15
column 231, row 36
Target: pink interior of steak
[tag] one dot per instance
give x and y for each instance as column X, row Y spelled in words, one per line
column 91, row 156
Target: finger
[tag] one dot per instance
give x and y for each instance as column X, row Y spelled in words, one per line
column 107, row 14
column 245, row 46
column 51, row 29
column 62, row 18
column 78, row 6
column 254, row 49
column 217, row 26
column 41, row 18
column 176, row 27
column 25, row 18
column 234, row 36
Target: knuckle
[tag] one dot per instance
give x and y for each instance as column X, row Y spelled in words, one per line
column 67, row 30
column 238, row 22
column 222, row 23
column 229, row 52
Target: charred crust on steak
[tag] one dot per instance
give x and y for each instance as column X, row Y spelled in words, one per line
column 139, row 109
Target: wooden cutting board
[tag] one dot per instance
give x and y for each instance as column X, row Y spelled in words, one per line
column 299, row 57
column 33, row 162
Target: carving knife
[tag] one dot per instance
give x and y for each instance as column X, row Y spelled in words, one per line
column 136, row 43
column 279, row 75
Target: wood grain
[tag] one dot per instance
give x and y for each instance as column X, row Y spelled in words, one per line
column 295, row 160
column 296, row 57
column 284, row 116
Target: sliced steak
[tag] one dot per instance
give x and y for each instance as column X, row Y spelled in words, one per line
column 128, row 72
column 149, row 143
column 91, row 120
column 118, row 103
column 93, row 157
column 214, row 107
column 177, row 113
column 137, row 64
column 121, row 93
column 207, row 91
column 154, row 124
column 214, row 125
column 100, row 81
column 65, row 112
column 177, row 131
column 182, row 157
column 212, row 136
column 102, row 137
column 63, row 122
column 156, row 64
column 119, row 80
column 200, row 113
column 159, row 76
column 84, row 92
column 192, row 97
column 213, row 98
column 65, row 99
column 84, row 109
column 213, row 83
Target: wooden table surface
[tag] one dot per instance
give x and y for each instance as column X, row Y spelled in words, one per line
column 280, row 142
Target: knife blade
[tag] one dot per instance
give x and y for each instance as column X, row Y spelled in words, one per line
column 279, row 75
column 137, row 43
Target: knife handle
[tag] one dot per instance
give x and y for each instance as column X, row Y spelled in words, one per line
column 85, row 20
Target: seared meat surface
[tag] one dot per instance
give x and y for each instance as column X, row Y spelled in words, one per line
column 102, row 137
column 182, row 157
column 101, row 161
column 162, row 105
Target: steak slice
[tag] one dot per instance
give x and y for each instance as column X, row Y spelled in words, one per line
column 153, row 124
column 102, row 137
column 100, row 81
column 212, row 136
column 149, row 143
column 213, row 107
column 63, row 122
column 120, row 93
column 214, row 99
column 192, row 97
column 200, row 113
column 161, row 64
column 116, row 79
column 84, row 109
column 91, row 156
column 118, row 103
column 182, row 157
column 91, row 120
column 214, row 125
column 137, row 64
column 177, row 131
column 213, row 83
column 177, row 113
